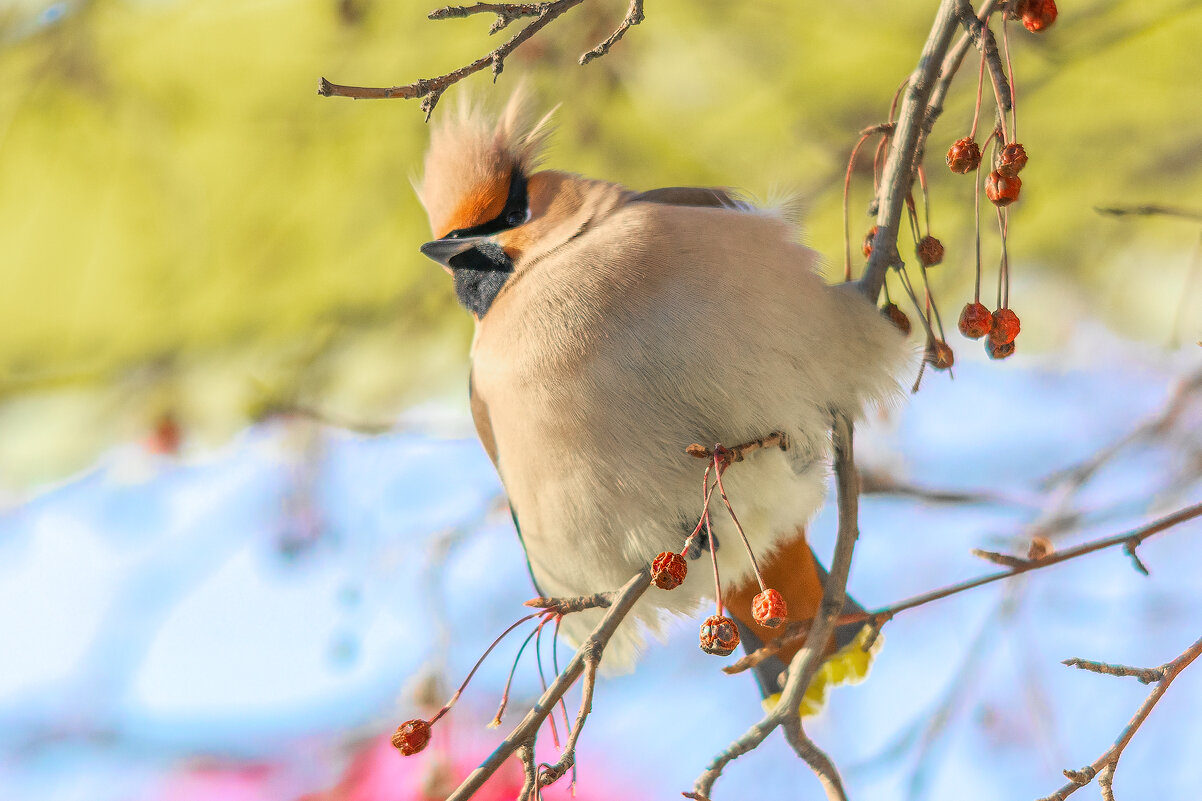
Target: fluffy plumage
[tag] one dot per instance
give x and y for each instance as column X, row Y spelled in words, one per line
column 632, row 325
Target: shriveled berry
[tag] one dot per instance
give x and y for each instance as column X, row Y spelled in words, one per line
column 999, row 350
column 768, row 609
column 975, row 321
column 939, row 355
column 668, row 570
column 929, row 251
column 1039, row 547
column 719, row 635
column 867, row 246
column 1002, row 189
column 1013, row 159
column 964, row 156
column 1006, row 326
column 1037, row 15
column 897, row 317
column 411, row 736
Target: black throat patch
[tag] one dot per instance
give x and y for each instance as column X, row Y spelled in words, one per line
column 479, row 275
column 482, row 271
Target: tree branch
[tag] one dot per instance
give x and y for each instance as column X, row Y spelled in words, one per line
column 633, row 17
column 796, row 631
column 431, row 89
column 1104, row 766
column 923, row 104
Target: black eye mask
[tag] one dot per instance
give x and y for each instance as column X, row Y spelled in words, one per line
column 514, row 214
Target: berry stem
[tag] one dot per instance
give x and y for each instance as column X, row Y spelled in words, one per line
column 701, row 522
column 896, row 97
column 447, row 706
column 976, row 114
column 905, row 282
column 496, row 721
column 877, row 164
column 709, row 533
column 1003, row 217
column 976, row 209
column 926, row 196
column 851, row 164
column 1010, row 78
column 538, row 658
column 759, row 577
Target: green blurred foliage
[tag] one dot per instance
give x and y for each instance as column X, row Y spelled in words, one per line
column 189, row 229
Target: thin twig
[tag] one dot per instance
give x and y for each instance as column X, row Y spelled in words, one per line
column 1144, row 675
column 431, row 89
column 794, row 633
column 506, row 12
column 633, row 17
column 1104, row 766
column 1151, row 210
column 552, row 773
column 565, row 606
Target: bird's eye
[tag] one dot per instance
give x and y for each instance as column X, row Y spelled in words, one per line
column 515, row 217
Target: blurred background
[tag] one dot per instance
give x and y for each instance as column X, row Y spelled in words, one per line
column 245, row 527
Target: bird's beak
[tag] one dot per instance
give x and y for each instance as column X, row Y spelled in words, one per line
column 443, row 250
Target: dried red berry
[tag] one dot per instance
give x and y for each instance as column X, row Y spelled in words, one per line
column 1037, row 15
column 411, row 737
column 939, row 355
column 868, row 237
column 668, row 570
column 963, row 156
column 1013, row 159
column 998, row 350
column 719, row 635
column 768, row 609
column 897, row 317
column 975, row 321
column 1002, row 189
column 1006, row 326
column 929, row 251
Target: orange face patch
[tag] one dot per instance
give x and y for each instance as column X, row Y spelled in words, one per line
column 481, row 204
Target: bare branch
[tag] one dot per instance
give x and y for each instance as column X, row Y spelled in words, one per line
column 431, row 89
column 1150, row 210
column 633, row 17
column 794, row 633
column 1145, row 675
column 1104, row 766
column 565, row 606
column 506, row 12
column 552, row 773
column 737, row 453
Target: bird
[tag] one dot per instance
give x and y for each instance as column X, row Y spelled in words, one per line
column 616, row 326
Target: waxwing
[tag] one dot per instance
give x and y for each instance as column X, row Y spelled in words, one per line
column 616, row 327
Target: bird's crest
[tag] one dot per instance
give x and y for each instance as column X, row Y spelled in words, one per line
column 472, row 159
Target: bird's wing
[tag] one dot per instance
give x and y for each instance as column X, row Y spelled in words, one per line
column 482, row 421
column 484, row 431
column 714, row 197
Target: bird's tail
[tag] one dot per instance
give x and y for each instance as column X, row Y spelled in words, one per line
column 793, row 571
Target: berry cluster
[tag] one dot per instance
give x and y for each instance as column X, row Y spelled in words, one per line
column 996, row 163
column 719, row 634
